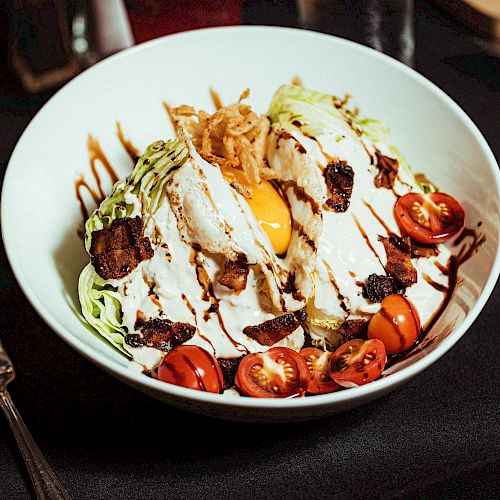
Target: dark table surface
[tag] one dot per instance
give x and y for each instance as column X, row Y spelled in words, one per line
column 438, row 436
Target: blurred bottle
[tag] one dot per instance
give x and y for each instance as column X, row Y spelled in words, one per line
column 52, row 40
column 39, row 41
column 385, row 25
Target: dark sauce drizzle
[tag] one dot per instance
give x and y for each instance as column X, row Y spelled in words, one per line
column 466, row 251
column 367, row 240
column 82, row 183
column 208, row 295
column 301, row 195
column 130, row 149
column 379, row 219
column 336, row 287
column 96, row 155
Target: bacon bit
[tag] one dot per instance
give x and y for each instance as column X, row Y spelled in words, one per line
column 399, row 264
column 387, row 170
column 423, row 250
column 235, row 274
column 301, row 316
column 272, row 331
column 377, row 287
column 339, row 178
column 117, row 250
column 354, row 329
column 161, row 334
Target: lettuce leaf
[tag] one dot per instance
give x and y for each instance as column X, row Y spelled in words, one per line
column 143, row 191
column 140, row 194
column 101, row 307
column 315, row 113
column 312, row 111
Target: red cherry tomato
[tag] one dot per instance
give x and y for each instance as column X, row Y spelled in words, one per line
column 358, row 362
column 396, row 324
column 318, row 362
column 279, row 372
column 192, row 367
column 429, row 218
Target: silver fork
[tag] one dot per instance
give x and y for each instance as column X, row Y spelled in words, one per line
column 45, row 482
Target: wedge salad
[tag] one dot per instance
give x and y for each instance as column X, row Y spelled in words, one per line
column 276, row 255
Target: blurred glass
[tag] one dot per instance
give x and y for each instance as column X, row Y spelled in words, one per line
column 385, row 25
column 40, row 50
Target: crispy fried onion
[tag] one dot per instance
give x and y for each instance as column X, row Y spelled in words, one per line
column 234, row 137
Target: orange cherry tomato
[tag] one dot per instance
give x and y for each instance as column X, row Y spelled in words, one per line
column 192, row 367
column 318, row 362
column 279, row 372
column 358, row 362
column 396, row 324
column 429, row 218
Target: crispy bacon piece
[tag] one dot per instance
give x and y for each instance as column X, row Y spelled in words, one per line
column 273, row 330
column 235, row 274
column 229, row 368
column 161, row 334
column 119, row 249
column 354, row 329
column 387, row 170
column 301, row 316
column 423, row 250
column 377, row 287
column 339, row 178
column 399, row 265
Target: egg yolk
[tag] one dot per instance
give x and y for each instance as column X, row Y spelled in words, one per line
column 273, row 215
column 269, row 209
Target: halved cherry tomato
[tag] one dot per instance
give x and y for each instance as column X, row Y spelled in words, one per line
column 192, row 367
column 279, row 372
column 318, row 362
column 358, row 362
column 429, row 218
column 396, row 324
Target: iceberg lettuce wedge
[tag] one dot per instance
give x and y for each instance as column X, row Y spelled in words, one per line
column 315, row 113
column 140, row 194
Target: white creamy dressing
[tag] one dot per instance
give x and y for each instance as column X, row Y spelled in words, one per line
column 157, row 286
column 343, row 251
column 202, row 208
column 213, row 215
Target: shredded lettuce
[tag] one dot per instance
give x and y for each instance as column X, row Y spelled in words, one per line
column 141, row 193
column 315, row 113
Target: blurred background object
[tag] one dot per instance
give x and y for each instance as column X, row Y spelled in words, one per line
column 385, row 25
column 39, row 43
column 153, row 18
column 50, row 41
column 482, row 16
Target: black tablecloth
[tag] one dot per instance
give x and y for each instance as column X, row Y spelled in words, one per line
column 436, row 436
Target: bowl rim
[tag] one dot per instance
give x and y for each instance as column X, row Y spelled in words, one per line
column 134, row 378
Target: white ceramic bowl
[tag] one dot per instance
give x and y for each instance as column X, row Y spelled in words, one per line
column 40, row 213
